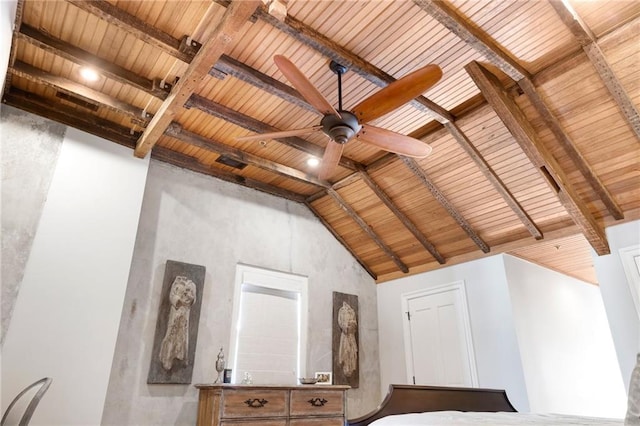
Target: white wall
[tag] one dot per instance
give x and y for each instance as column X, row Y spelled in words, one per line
column 193, row 218
column 568, row 357
column 493, row 330
column 66, row 317
column 616, row 294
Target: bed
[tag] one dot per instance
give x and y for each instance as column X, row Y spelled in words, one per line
column 408, row 405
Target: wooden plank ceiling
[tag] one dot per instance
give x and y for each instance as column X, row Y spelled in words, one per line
column 534, row 125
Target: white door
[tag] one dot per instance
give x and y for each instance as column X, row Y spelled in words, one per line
column 438, row 345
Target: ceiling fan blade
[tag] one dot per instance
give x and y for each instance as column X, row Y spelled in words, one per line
column 397, row 93
column 304, row 86
column 282, row 134
column 330, row 159
column 394, row 142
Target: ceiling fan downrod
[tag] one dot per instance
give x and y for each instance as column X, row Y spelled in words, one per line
column 339, row 69
column 340, row 130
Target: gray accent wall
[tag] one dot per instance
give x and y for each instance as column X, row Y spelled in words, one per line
column 197, row 219
column 29, row 150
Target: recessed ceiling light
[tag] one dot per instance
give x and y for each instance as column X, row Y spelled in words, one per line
column 89, row 74
column 313, row 162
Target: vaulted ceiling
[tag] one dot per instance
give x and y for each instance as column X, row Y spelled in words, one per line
column 534, row 126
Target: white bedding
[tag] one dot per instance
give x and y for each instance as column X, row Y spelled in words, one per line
column 449, row 418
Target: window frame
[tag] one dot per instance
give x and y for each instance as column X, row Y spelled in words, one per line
column 268, row 278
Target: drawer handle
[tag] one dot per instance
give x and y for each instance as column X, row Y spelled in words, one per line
column 317, row 402
column 256, row 403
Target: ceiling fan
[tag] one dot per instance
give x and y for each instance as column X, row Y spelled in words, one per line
column 341, row 126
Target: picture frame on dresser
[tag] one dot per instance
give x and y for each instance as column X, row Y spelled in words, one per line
column 324, row 378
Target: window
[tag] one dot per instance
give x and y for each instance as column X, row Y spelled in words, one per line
column 269, row 324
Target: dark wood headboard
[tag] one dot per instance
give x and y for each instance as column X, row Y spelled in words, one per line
column 403, row 399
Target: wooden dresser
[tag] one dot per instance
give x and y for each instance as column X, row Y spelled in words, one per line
column 236, row 405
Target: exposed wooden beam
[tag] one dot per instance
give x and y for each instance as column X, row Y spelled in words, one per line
column 525, row 135
column 312, row 38
column 86, row 94
column 182, row 160
column 295, row 28
column 309, row 36
column 143, row 31
column 493, row 178
column 413, row 165
column 217, row 110
column 576, row 157
column 482, row 43
column 324, row 45
column 95, row 125
column 82, row 57
column 341, row 240
column 473, row 36
column 313, row 197
column 566, row 231
column 367, row 229
column 176, row 131
column 230, row 66
column 362, row 174
column 17, row 23
column 382, row 161
column 121, row 135
column 237, row 69
column 347, row 180
column 216, row 42
column 226, row 64
column 401, row 216
column 589, row 44
column 177, row 48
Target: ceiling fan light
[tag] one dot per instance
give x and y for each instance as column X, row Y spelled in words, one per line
column 313, row 162
column 342, row 129
column 341, row 134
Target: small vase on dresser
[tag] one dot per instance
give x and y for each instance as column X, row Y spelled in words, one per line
column 271, row 405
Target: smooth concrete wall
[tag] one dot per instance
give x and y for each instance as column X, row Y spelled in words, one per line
column 616, row 294
column 493, row 330
column 29, row 149
column 66, row 317
column 197, row 219
column 568, row 357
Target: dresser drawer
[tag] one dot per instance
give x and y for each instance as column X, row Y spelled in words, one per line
column 333, row 421
column 263, row 422
column 316, row 402
column 254, row 403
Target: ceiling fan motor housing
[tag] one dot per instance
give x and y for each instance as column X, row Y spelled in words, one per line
column 340, row 130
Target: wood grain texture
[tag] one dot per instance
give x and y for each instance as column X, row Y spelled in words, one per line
column 402, row 399
column 271, row 405
column 526, row 137
column 143, row 50
column 211, row 51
